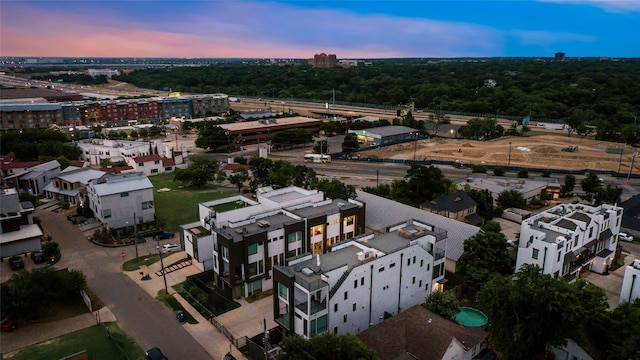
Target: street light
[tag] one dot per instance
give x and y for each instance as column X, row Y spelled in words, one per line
column 164, row 276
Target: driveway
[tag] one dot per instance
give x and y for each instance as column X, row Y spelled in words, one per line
column 612, row 282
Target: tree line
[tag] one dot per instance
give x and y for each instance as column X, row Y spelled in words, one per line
column 543, row 89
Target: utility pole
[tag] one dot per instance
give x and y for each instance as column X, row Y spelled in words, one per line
column 620, row 160
column 164, row 276
column 509, row 161
column 135, row 233
column 266, row 339
column 633, row 157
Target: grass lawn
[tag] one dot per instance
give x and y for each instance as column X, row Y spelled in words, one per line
column 180, row 205
column 94, row 340
column 134, row 264
column 61, row 310
column 172, row 303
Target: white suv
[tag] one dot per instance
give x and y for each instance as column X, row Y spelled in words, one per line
column 625, row 237
column 170, row 247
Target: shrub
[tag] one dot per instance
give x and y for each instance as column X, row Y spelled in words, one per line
column 498, row 171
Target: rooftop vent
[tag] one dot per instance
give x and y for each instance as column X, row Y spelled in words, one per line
column 307, row 271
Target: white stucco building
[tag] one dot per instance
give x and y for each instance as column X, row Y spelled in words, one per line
column 117, row 199
column 361, row 281
column 631, row 282
column 95, row 150
column 569, row 239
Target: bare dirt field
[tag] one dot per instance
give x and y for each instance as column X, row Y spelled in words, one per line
column 537, row 150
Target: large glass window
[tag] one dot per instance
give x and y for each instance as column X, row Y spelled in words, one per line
column 535, row 254
column 283, row 291
column 294, row 236
column 253, row 249
column 319, row 325
column 106, row 213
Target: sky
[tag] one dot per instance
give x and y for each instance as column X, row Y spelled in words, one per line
column 302, row 28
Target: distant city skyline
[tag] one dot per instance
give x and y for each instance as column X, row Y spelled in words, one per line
column 300, row 29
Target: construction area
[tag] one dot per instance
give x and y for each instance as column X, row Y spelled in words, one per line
column 535, row 151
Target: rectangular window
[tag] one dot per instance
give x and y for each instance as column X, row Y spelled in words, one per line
column 535, row 254
column 414, row 259
column 408, row 262
column 421, row 263
column 335, row 307
column 147, row 205
column 252, row 249
column 225, row 253
column 353, row 307
column 355, row 283
column 349, row 220
column 124, row 194
column 252, row 269
column 392, row 265
column 362, row 281
column 106, row 213
column 344, row 318
column 154, row 171
column 413, row 280
column 346, row 295
column 283, row 292
column 294, row 236
column 381, row 269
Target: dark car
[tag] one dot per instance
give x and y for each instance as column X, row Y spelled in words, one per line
column 37, row 257
column 72, row 219
column 164, row 235
column 16, row 263
column 155, row 354
column 8, row 325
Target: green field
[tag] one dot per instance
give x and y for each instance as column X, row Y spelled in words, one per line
column 180, row 205
column 95, row 340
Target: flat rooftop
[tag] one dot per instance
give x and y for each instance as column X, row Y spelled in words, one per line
column 333, row 207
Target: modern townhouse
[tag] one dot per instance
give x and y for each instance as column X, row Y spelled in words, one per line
column 152, row 164
column 361, row 282
column 33, row 180
column 570, row 239
column 241, row 239
column 120, row 200
column 70, row 184
column 96, row 150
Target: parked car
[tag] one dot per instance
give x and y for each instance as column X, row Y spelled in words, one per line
column 72, row 219
column 155, row 354
column 8, row 325
column 166, row 248
column 16, row 263
column 164, row 235
column 37, row 257
column 625, row 237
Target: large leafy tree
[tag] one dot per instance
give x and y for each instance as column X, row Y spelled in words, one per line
column 291, row 137
column 213, row 137
column 485, row 255
column 427, row 182
column 443, row 303
column 335, row 189
column 350, row 143
column 569, row 184
column 578, row 120
column 511, row 198
column 484, row 201
column 238, row 177
column 529, row 310
column 201, row 170
column 591, row 183
column 326, row 346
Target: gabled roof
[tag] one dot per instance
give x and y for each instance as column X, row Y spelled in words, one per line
column 115, row 184
column 419, row 332
column 167, row 162
column 453, row 202
column 83, row 175
column 19, row 165
column 116, row 169
column 384, row 212
column 141, row 159
column 77, row 163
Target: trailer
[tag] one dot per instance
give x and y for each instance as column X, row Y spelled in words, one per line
column 550, row 126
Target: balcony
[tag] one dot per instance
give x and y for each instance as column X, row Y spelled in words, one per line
column 316, row 306
column 283, row 321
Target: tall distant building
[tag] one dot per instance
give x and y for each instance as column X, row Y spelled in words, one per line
column 559, row 56
column 323, row 60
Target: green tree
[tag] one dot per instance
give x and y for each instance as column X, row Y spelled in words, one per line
column 479, row 169
column 511, row 199
column 50, row 250
column 64, row 162
column 523, row 173
column 260, row 169
column 546, row 173
column 498, row 171
column 326, row 346
column 569, row 184
column 608, row 195
column 529, row 310
column 213, row 137
column 578, row 119
column 491, row 226
column 443, row 303
column 350, row 143
column 335, row 189
column 238, row 177
column 591, row 183
column 291, row 137
column 321, row 147
column 485, row 255
column 106, row 162
column 201, row 170
column 484, row 201
column 630, row 134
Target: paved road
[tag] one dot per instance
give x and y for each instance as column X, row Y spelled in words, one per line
column 148, row 321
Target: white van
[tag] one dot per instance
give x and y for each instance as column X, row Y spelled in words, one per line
column 166, row 248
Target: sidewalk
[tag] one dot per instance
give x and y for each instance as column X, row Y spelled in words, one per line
column 31, row 334
column 216, row 344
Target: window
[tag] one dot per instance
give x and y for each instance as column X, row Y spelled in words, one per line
column 294, row 236
column 252, row 249
column 225, row 252
column 413, row 280
column 355, row 283
column 140, row 164
column 346, row 295
column 414, row 259
column 252, row 269
column 344, row 318
column 335, row 307
column 154, row 171
column 362, row 281
column 392, row 265
column 124, row 194
column 421, row 263
column 535, row 254
column 381, row 269
column 147, row 205
column 283, row 292
column 106, row 213
column 349, row 220
column 353, row 307
column 408, row 262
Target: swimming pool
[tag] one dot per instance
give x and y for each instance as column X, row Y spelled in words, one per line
column 471, row 317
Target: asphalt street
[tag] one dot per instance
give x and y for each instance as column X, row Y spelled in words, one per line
column 147, row 320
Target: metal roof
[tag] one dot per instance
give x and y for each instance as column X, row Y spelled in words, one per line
column 116, row 184
column 384, row 212
column 29, row 107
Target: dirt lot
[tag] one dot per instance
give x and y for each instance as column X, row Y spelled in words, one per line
column 542, row 150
